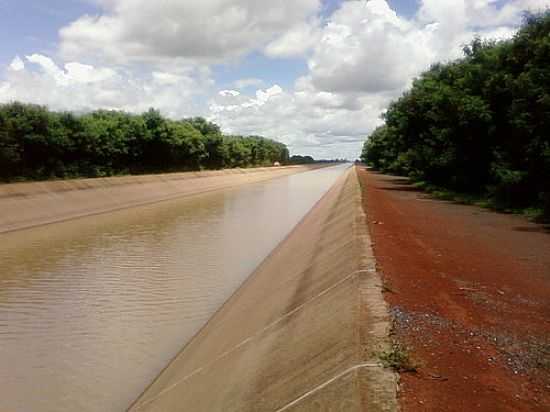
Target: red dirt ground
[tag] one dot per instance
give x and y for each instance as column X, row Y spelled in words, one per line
column 469, row 290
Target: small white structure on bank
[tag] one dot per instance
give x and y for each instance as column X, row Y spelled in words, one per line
column 276, row 164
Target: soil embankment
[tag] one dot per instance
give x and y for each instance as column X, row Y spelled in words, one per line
column 25, row 205
column 469, row 291
column 304, row 332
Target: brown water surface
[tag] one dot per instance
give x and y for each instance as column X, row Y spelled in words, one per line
column 92, row 309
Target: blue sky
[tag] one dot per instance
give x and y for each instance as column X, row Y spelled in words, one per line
column 285, row 71
column 33, row 26
column 315, row 75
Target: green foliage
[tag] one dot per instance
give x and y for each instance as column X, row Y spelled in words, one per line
column 478, row 125
column 38, row 144
column 301, row 160
column 397, row 359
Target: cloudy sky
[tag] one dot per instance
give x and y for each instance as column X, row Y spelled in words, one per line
column 315, row 74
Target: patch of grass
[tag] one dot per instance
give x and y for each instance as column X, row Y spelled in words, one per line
column 542, row 356
column 461, row 198
column 484, row 203
column 421, row 185
column 535, row 214
column 397, row 359
column 445, row 195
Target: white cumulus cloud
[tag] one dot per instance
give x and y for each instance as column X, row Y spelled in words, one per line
column 226, row 93
column 138, row 54
column 365, row 55
column 81, row 87
column 206, row 30
column 17, row 64
column 296, row 41
column 248, row 82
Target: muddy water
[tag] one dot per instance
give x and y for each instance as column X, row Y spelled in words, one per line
column 91, row 310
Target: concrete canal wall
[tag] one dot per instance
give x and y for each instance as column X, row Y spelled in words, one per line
column 303, row 333
column 24, row 205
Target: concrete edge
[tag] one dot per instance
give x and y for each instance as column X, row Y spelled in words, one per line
column 136, row 404
column 28, row 205
column 32, row 188
column 374, row 385
column 379, row 385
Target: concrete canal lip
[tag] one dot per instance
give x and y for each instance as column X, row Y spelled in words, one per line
column 304, row 332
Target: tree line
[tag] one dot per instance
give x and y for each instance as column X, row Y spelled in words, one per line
column 36, row 143
column 300, row 160
column 478, row 125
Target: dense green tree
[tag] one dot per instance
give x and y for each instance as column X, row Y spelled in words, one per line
column 301, row 160
column 186, row 145
column 479, row 124
column 204, row 126
column 37, row 144
column 238, row 151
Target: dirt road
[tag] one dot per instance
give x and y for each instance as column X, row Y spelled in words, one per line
column 469, row 290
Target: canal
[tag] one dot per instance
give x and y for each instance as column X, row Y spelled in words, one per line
column 91, row 310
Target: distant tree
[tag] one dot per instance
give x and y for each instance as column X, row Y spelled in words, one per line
column 38, row 144
column 300, row 160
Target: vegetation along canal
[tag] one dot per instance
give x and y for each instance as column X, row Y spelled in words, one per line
column 92, row 309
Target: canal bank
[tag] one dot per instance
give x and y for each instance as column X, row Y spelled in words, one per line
column 92, row 309
column 26, row 205
column 304, row 332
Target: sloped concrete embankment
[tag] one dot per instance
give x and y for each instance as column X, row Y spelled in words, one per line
column 24, row 205
column 302, row 333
